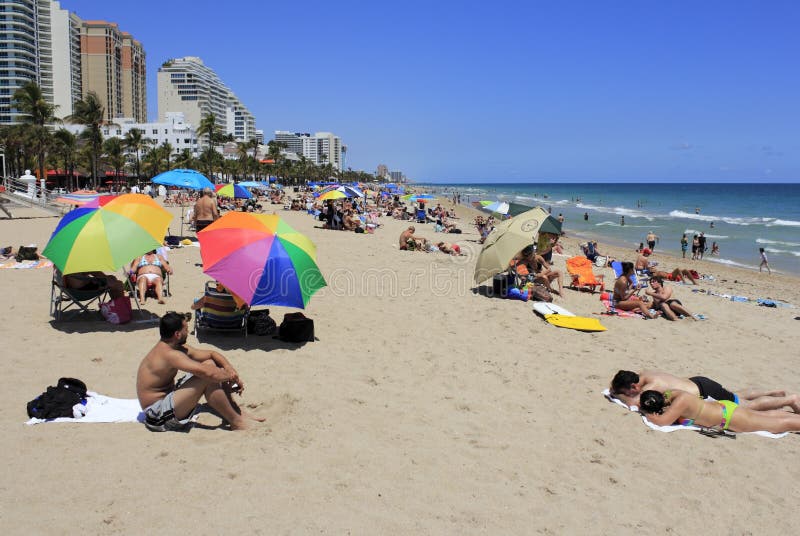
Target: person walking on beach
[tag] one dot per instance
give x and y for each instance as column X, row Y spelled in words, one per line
column 652, row 238
column 701, row 246
column 684, row 245
column 695, row 246
column 764, row 261
column 169, row 405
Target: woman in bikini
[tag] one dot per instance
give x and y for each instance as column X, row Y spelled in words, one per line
column 625, row 297
column 680, row 407
column 664, row 302
column 147, row 269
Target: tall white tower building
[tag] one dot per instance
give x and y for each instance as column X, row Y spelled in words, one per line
column 188, row 86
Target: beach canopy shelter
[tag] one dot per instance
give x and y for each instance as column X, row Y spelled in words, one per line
column 183, row 178
column 507, row 239
column 107, row 233
column 261, row 259
column 233, row 190
column 253, row 184
column 496, row 207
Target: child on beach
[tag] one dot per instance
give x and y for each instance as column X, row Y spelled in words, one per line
column 764, row 262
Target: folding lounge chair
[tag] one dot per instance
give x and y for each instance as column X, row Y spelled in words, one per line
column 219, row 313
column 63, row 299
column 131, row 281
column 580, row 269
column 639, row 282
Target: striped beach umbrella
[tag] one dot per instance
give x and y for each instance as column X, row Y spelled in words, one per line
column 107, row 233
column 261, row 259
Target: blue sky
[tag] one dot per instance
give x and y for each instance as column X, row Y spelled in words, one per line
column 512, row 91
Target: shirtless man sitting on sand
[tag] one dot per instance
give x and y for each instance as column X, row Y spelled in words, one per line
column 627, row 386
column 205, row 210
column 407, row 239
column 169, row 405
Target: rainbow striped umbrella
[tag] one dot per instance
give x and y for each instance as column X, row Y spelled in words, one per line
column 233, row 190
column 261, row 259
column 333, row 194
column 107, row 233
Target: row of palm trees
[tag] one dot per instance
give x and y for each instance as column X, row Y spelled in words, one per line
column 37, row 144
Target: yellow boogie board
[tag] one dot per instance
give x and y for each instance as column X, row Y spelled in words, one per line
column 580, row 323
column 558, row 316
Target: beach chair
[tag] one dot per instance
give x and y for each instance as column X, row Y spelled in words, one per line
column 63, row 299
column 421, row 216
column 580, row 270
column 219, row 313
column 637, row 282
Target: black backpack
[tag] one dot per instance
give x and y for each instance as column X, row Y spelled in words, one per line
column 58, row 401
column 296, row 327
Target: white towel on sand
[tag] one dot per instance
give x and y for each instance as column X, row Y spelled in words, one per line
column 101, row 408
column 673, row 427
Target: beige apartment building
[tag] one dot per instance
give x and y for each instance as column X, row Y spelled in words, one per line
column 113, row 66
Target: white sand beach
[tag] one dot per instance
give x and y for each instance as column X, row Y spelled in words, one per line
column 424, row 407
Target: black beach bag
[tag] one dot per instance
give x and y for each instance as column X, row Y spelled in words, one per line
column 296, row 327
column 58, row 401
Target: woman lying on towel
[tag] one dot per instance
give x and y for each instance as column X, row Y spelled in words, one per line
column 686, row 409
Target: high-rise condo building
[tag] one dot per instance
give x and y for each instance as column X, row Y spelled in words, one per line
column 43, row 43
column 321, row 148
column 113, row 66
column 188, row 86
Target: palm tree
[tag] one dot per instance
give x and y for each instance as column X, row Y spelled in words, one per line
column 184, row 159
column 90, row 112
column 166, row 154
column 243, row 151
column 37, row 114
column 66, row 144
column 208, row 127
column 114, row 155
column 136, row 142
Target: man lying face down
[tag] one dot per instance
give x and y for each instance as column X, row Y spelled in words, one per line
column 628, row 385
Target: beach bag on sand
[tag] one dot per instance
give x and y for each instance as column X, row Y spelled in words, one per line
column 260, row 323
column 540, row 293
column 118, row 310
column 296, row 327
column 58, row 401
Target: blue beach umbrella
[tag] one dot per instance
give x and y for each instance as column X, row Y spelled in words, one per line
column 183, row 178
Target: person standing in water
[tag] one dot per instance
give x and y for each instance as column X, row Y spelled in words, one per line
column 622, row 221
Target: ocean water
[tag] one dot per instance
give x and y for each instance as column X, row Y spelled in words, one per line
column 740, row 218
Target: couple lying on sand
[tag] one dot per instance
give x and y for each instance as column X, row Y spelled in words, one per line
column 668, row 399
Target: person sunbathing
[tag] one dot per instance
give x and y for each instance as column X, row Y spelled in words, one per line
column 94, row 281
column 628, row 386
column 450, row 249
column 680, row 407
column 530, row 266
column 664, row 302
column 147, row 270
column 625, row 297
column 350, row 222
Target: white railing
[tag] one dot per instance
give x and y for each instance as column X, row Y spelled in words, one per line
column 31, row 194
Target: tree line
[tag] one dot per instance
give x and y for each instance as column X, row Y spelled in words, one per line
column 39, row 143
